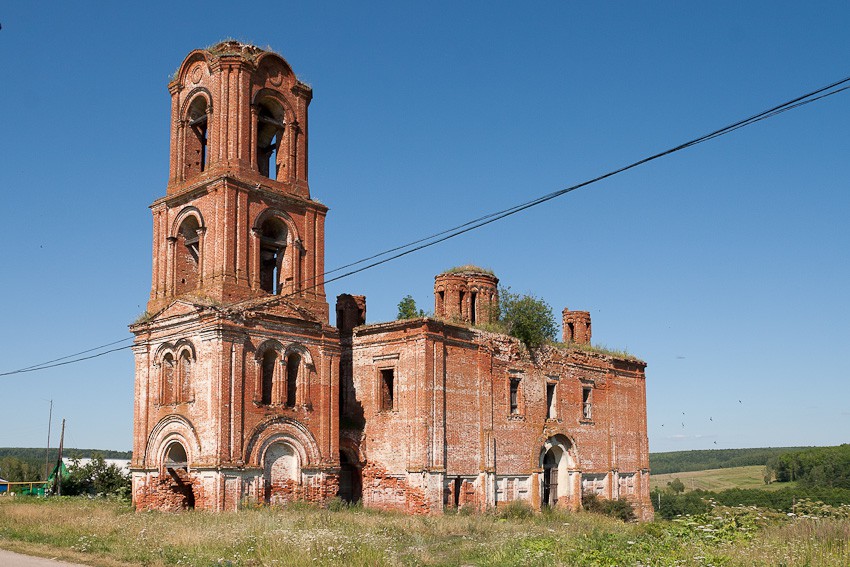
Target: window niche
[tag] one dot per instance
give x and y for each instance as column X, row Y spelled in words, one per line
column 185, row 377
column 166, row 394
column 587, row 403
column 514, row 395
column 551, row 401
column 387, row 389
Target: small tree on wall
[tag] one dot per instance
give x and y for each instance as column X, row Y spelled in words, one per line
column 407, row 309
column 527, row 318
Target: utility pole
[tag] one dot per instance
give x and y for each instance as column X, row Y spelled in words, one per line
column 47, row 453
column 59, row 463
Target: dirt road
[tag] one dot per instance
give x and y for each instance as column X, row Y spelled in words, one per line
column 9, row 559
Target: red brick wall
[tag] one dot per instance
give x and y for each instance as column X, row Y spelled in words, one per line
column 454, row 402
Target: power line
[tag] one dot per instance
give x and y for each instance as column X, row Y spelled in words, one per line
column 468, row 226
column 46, row 366
column 38, row 366
column 442, row 236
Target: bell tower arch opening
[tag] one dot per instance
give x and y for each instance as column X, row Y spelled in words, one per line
column 195, row 144
column 270, row 127
column 273, row 240
column 187, row 255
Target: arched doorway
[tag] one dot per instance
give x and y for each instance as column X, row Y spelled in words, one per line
column 557, row 460
column 350, row 479
column 179, row 485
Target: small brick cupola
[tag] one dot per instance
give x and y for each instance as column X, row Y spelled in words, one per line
column 350, row 312
column 576, row 326
column 468, row 293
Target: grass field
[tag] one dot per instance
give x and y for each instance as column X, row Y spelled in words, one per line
column 104, row 533
column 720, row 479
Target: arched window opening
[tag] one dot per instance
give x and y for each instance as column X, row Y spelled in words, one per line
column 196, row 137
column 166, row 395
column 185, row 377
column 269, row 361
column 473, row 306
column 270, row 127
column 292, row 365
column 272, row 249
column 176, row 458
column 187, row 255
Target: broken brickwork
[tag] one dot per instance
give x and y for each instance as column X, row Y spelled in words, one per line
column 245, row 394
column 576, row 327
column 171, row 491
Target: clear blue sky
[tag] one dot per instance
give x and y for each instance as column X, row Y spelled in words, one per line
column 725, row 266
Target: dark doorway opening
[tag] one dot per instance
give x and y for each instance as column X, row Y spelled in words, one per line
column 350, row 481
column 549, row 496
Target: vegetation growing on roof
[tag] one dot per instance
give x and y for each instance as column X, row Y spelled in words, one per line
column 232, row 46
column 469, row 269
column 407, row 309
column 527, row 318
column 599, row 349
column 143, row 317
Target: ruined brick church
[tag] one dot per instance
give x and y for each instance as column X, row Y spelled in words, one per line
column 246, row 394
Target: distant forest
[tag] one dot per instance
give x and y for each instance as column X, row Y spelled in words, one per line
column 684, row 461
column 818, row 467
column 39, row 454
column 18, row 464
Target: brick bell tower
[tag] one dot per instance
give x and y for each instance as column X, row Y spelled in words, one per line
column 236, row 363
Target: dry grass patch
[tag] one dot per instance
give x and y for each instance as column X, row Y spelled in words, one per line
column 110, row 533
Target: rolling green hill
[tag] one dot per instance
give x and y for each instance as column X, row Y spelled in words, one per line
column 715, row 480
column 681, row 461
